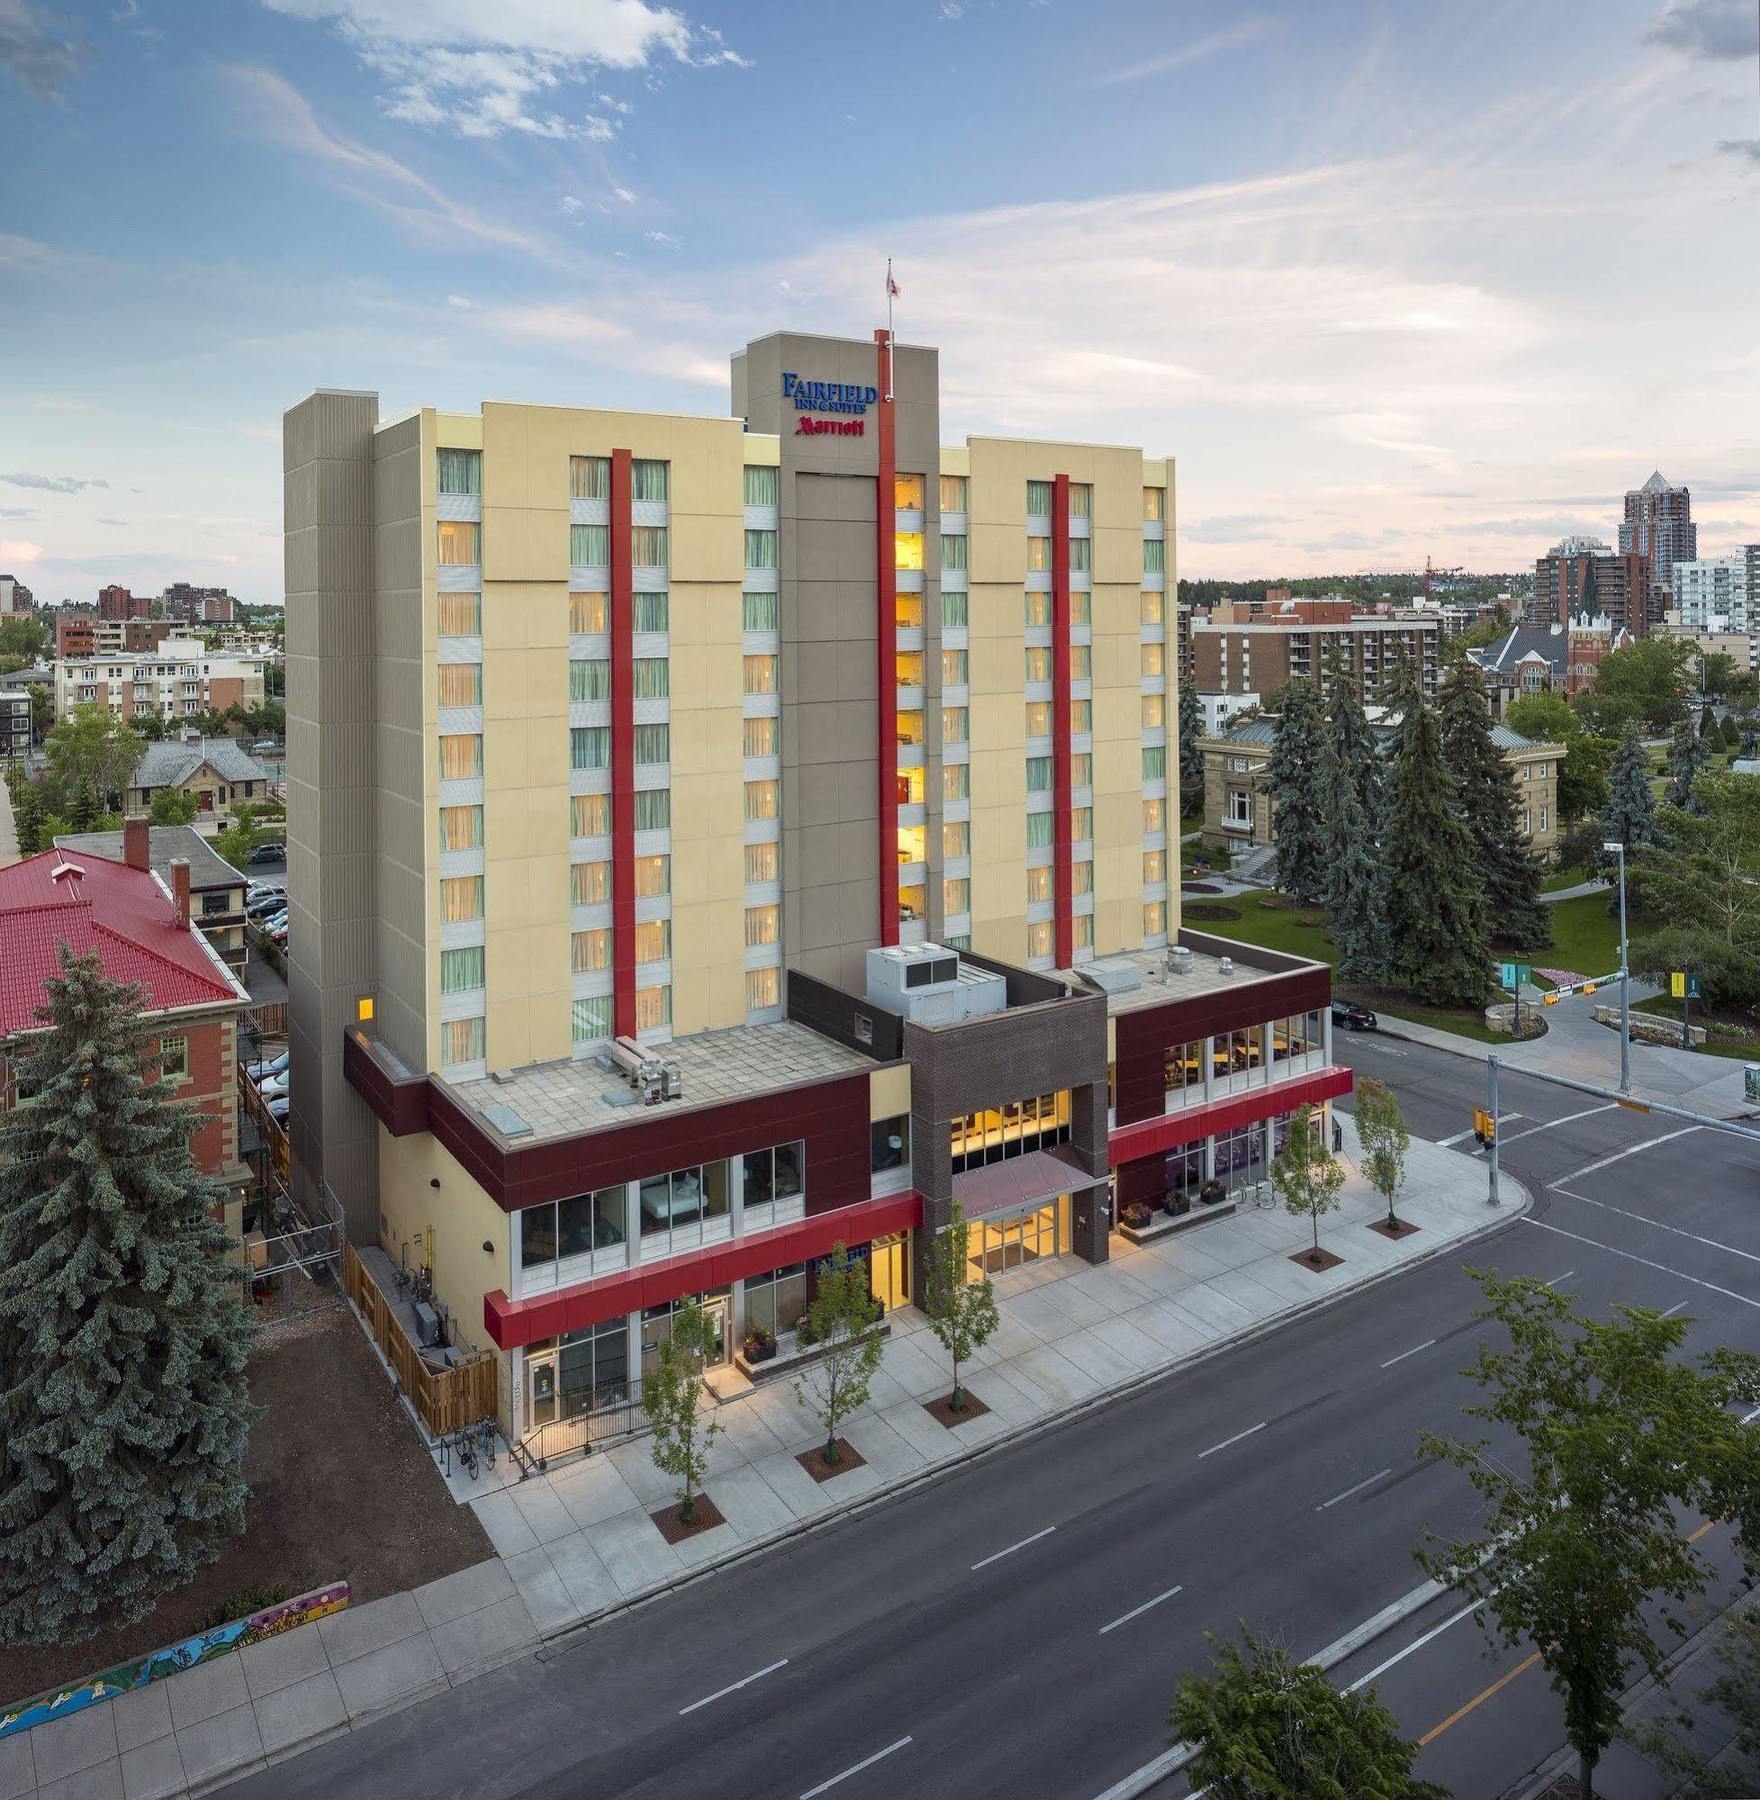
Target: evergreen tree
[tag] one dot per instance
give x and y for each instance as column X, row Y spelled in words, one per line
column 1508, row 869
column 1708, row 724
column 1354, row 744
column 1435, row 905
column 124, row 1405
column 1294, row 778
column 1191, row 758
column 1355, row 892
column 1688, row 753
column 1631, row 809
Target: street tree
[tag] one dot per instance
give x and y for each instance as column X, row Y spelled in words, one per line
column 840, row 1321
column 173, row 806
column 1440, row 949
column 1486, row 782
column 1381, row 1128
column 1262, row 1726
column 1294, row 781
column 1689, row 752
column 1708, row 727
column 1305, row 1174
column 675, row 1403
column 124, row 1403
column 1620, row 1434
column 962, row 1314
column 1191, row 758
column 90, row 745
column 1631, row 808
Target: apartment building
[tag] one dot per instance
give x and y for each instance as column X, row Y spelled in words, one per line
column 117, row 602
column 186, row 605
column 177, row 679
column 1658, row 526
column 15, row 597
column 1232, row 657
column 86, row 634
column 1711, row 594
column 15, row 724
column 1582, row 577
column 822, row 764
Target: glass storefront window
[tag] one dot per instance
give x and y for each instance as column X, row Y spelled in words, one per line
column 1240, row 1156
column 1185, row 1068
column 998, row 1133
column 889, row 1269
column 776, row 1302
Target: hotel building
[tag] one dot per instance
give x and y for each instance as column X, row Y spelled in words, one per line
column 824, row 765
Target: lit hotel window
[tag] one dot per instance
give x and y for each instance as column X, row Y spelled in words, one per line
column 1081, row 662
column 1081, row 500
column 956, row 840
column 1154, row 867
column 1081, row 769
column 1039, row 884
column 1154, row 816
column 461, row 615
column 1039, row 938
column 760, row 862
column 908, row 550
column 763, row 988
column 1038, row 610
column 590, row 883
column 953, row 724
column 648, row 546
column 1081, row 717
column 591, row 950
column 760, row 674
column 760, row 737
column 1084, row 931
column 1154, row 503
column 1039, row 554
column 1081, row 823
column 653, row 876
column 956, row 897
column 589, row 612
column 653, row 940
column 461, row 758
column 461, row 828
column 1151, row 604
column 761, row 799
column 461, row 543
column 1038, row 718
column 591, row 815
column 907, row 495
column 763, row 925
column 1081, row 610
column 956, row 781
column 461, row 898
column 1038, row 662
column 953, row 668
column 953, row 493
column 1154, row 919
column 1154, row 711
column 1081, row 878
column 1152, row 659
column 461, row 1043
column 653, row 1008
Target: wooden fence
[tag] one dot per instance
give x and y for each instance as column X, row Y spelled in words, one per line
column 269, row 1128
column 447, row 1400
column 271, row 1018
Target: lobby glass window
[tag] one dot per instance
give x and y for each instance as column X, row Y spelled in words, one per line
column 1155, row 763
column 1153, row 660
column 461, row 472
column 589, row 884
column 1081, row 717
column 592, row 1019
column 462, row 1041
column 954, row 607
column 589, row 477
column 956, row 897
column 1240, row 1156
column 590, row 950
column 653, row 809
column 907, row 493
column 999, row 1133
column 763, row 925
column 1039, row 774
column 953, row 550
column 760, row 862
column 651, row 612
column 907, row 550
column 589, row 612
column 1039, row 499
column 461, row 757
column 1152, row 603
column 953, row 493
column 647, row 546
column 1154, row 918
column 759, row 612
column 954, row 668
column 1041, row 830
column 1154, row 503
column 653, row 940
column 760, row 674
column 956, row 839
column 651, row 677
column 762, row 799
column 760, row 737
column 589, row 747
column 955, row 724
column 653, row 877
column 1154, row 556
column 763, row 988
column 1081, row 500
column 1184, row 1065
column 590, row 815
column 1038, row 662
column 1154, row 816
column 762, row 484
column 1039, row 555
column 1038, row 611
column 778, row 1173
column 589, row 680
column 461, row 828
column 592, row 1369
column 653, row 1008
column 761, row 549
column 461, row 971
column 1041, row 882
column 1081, row 769
column 461, row 543
column 589, row 546
column 956, row 781
column 1038, row 718
column 647, row 481
column 778, row 1301
column 1039, row 938
column 653, row 743
column 461, row 615
column 1078, row 553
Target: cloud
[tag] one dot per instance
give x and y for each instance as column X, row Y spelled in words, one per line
column 52, row 484
column 57, row 403
column 19, row 512
column 36, row 51
column 1719, row 30
column 19, row 550
column 662, row 237
column 122, row 522
column 951, row 10
column 573, row 205
column 1234, row 528
column 459, row 302
column 1743, row 149
column 1248, row 31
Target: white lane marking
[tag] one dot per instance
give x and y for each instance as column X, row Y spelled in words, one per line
column 1679, row 1306
column 1233, row 1440
column 1558, row 1278
column 1570, row 1118
column 1374, row 1044
column 732, row 1688
column 1138, row 1611
column 1668, row 1137
column 1000, row 1554
column 1626, row 1212
column 1448, row 1143
column 1417, row 1643
column 1367, row 1481
column 1679, row 1274
column 867, row 1762
column 1428, row 1344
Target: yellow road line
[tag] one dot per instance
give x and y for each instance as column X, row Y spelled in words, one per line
column 1502, row 1681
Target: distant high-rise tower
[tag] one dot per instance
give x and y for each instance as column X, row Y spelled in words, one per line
column 1659, row 524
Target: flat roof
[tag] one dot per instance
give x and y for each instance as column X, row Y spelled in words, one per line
column 1203, row 974
column 567, row 1099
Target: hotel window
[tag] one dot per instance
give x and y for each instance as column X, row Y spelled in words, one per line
column 1151, row 603
column 589, row 680
column 954, row 607
column 1081, row 769
column 589, row 612
column 1039, row 938
column 653, row 809
column 651, row 612
column 653, row 1008
column 1039, row 499
column 461, row 1042
column 461, row 615
column 956, row 839
column 653, row 677
column 1153, row 661
column 760, row 737
column 653, row 877
column 461, row 758
column 1154, row 556
column 1081, row 717
column 956, row 781
column 1078, row 552
column 761, row 799
column 1154, row 503
column 760, row 862
column 1038, row 610
column 1154, row 816
column 589, row 545
column 953, row 668
column 1039, row 555
column 1081, row 823
column 759, row 612
column 1038, row 662
column 591, row 815
column 461, row 971
column 461, row 898
column 647, row 546
column 907, row 493
column 763, row 988
column 589, row 747
column 775, row 1174
column 647, row 481
column 1039, row 774
column 763, row 925
column 589, row 883
column 653, row 743
column 1084, row 931
column 1041, row 830
column 461, row 828
column 1038, row 718
column 956, row 897
column 1081, row 662
column 1081, row 606
column 953, row 493
column 760, row 674
column 1154, row 867
column 1154, row 918
column 1155, row 763
column 1081, row 878
column 1154, row 711
column 1081, row 500
column 589, row 477
column 760, row 549
column 461, row 471
column 592, row 1018
column 953, row 551
column 1041, row 883
column 761, row 484
column 590, row 950
column 461, row 543
column 653, row 940
column 907, row 550
column 954, row 726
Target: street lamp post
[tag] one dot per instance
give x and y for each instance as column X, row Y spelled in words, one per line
column 1613, row 847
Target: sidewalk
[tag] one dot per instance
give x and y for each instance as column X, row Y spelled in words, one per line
column 578, row 1542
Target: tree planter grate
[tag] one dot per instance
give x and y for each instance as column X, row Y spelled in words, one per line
column 848, row 1457
column 669, row 1520
column 942, row 1409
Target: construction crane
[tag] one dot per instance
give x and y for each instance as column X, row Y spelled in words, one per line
column 1431, row 572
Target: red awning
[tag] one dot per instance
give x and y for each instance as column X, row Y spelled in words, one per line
column 1021, row 1181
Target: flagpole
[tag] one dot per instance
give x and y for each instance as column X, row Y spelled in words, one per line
column 891, row 343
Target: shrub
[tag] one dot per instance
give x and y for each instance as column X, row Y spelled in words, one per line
column 245, row 1601
column 1136, row 1215
column 1210, row 912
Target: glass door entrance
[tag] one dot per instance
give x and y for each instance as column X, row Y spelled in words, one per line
column 540, row 1389
column 997, row 1245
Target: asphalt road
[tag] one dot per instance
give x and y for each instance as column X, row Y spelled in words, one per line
column 1016, row 1628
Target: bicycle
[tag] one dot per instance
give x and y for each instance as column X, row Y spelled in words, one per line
column 467, row 1454
column 487, row 1429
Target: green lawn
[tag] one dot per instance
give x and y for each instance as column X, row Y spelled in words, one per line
column 1585, row 936
column 1563, row 878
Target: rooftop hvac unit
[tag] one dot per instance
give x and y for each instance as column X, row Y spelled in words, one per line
column 1180, row 960
column 1225, row 966
column 929, row 984
column 645, row 1074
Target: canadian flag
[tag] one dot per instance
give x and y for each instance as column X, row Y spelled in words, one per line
column 893, row 290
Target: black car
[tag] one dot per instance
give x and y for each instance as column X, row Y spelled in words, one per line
column 1353, row 1017
column 269, row 853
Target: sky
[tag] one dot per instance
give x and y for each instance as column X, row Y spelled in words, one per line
column 1389, row 279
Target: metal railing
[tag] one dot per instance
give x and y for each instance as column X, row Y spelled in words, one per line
column 610, row 1414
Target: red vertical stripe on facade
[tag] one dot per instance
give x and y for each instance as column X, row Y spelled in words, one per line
column 886, row 641
column 1064, row 928
column 623, row 753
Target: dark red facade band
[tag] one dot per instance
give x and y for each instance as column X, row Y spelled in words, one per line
column 1062, row 788
column 623, row 751
column 1154, row 1137
column 886, row 638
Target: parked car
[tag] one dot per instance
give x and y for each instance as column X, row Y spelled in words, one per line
column 279, row 936
column 266, row 906
column 278, row 1109
column 271, row 1087
column 261, row 1071
column 1353, row 1017
column 269, row 853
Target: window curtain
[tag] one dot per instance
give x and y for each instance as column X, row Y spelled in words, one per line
column 461, row 471
column 761, row 485
column 589, row 679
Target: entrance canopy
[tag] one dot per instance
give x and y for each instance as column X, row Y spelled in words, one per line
column 1020, row 1182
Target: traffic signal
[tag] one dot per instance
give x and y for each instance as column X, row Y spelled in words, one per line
column 1484, row 1125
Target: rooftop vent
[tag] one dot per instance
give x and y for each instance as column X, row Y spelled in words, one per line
column 1180, row 960
column 1225, row 966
